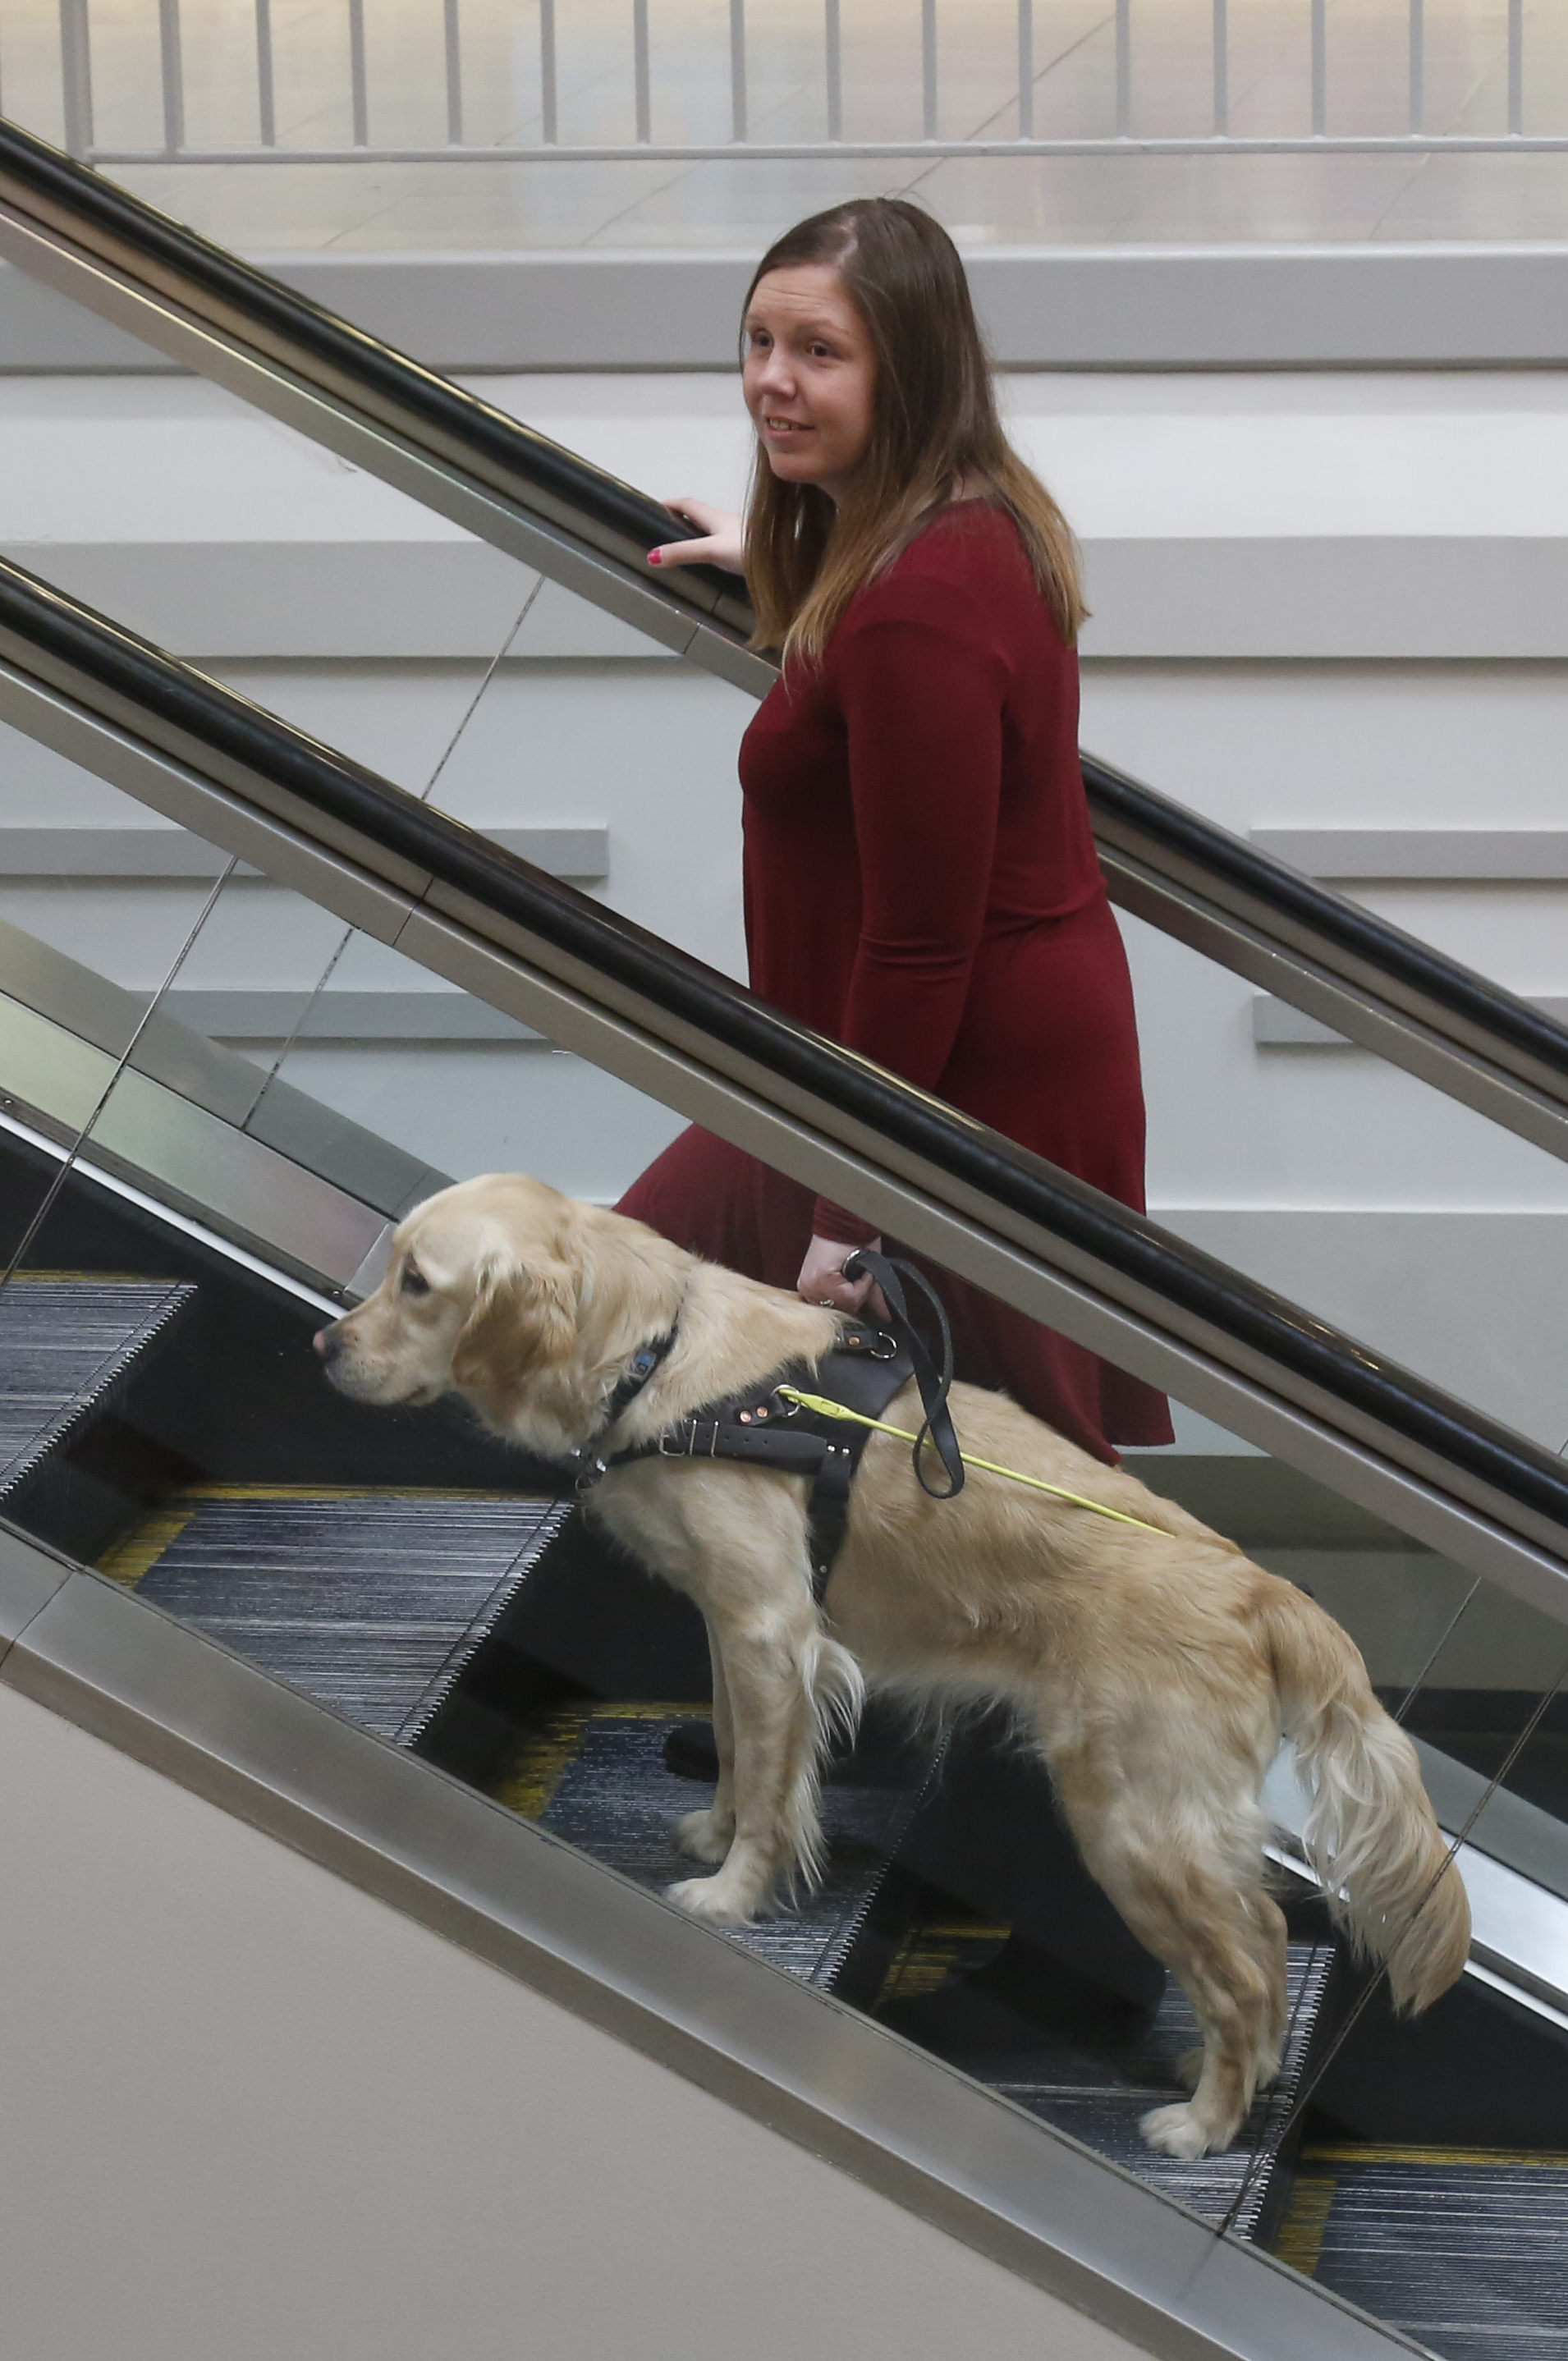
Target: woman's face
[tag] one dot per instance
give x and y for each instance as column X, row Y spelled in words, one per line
column 809, row 376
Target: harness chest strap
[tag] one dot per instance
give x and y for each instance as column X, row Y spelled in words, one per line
column 767, row 1428
column 819, row 1431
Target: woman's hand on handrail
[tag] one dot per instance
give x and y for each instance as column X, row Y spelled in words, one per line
column 723, row 541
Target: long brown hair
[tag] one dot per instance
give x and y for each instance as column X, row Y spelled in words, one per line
column 933, row 429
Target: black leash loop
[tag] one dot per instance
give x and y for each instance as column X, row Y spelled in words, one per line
column 933, row 1375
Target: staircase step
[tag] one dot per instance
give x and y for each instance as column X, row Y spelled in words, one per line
column 1464, row 2249
column 594, row 1774
column 67, row 1343
column 1092, row 2068
column 371, row 1602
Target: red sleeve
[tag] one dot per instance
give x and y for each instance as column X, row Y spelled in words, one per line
column 922, row 684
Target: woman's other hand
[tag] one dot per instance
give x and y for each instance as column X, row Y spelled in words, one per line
column 822, row 1279
column 723, row 541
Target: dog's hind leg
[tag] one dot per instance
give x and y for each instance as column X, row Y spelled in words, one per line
column 708, row 1836
column 1217, row 1931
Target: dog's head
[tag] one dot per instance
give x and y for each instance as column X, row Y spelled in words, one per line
column 480, row 1297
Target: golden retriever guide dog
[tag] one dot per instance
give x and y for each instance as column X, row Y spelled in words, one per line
column 1155, row 1670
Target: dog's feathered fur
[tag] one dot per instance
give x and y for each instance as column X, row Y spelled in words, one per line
column 1155, row 1672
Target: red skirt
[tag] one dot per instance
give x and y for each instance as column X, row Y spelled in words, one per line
column 721, row 1203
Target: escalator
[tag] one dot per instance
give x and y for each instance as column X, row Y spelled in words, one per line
column 182, row 1218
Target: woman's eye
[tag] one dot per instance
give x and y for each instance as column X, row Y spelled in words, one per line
column 415, row 1282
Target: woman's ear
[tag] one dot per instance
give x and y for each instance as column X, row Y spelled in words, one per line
column 523, row 1319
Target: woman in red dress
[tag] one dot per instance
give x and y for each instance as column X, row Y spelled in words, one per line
column 920, row 876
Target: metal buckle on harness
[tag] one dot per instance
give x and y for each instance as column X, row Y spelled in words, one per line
column 686, row 1441
column 592, row 1472
column 876, row 1344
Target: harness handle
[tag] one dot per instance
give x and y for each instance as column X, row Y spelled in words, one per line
column 934, row 1381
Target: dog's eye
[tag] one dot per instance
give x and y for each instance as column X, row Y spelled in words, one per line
column 415, row 1282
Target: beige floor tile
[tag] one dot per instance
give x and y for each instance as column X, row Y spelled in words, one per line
column 1264, row 199
column 456, row 206
column 1508, row 198
column 1074, row 200
column 269, row 208
column 746, row 204
column 1048, row 199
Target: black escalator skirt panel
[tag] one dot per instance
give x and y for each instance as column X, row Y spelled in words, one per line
column 595, row 1777
column 1466, row 2250
column 372, row 1604
column 67, row 1344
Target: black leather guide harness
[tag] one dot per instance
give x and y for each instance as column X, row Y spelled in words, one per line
column 871, row 1363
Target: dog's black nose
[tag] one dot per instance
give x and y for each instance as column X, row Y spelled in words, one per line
column 329, row 1342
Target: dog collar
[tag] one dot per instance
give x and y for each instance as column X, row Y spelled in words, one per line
column 639, row 1369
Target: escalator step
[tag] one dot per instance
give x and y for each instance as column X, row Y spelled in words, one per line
column 1091, row 2066
column 67, row 1341
column 372, row 1603
column 1464, row 2249
column 594, row 1775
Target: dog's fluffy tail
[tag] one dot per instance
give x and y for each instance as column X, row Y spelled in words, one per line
column 1370, row 1833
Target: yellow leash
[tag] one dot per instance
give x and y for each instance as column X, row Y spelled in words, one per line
column 826, row 1409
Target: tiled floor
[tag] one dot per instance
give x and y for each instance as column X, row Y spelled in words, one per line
column 1117, row 198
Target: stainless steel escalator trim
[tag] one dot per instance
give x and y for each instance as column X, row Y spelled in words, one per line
column 103, row 269
column 292, row 1261
column 1013, row 1258
column 951, row 2153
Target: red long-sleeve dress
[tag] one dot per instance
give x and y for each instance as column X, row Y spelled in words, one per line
column 921, row 885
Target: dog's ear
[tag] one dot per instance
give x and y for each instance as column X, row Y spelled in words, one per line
column 524, row 1319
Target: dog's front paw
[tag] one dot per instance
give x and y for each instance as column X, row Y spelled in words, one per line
column 712, row 1899
column 707, row 1835
column 1178, row 2131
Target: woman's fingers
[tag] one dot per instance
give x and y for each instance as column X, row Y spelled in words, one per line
column 822, row 1279
column 689, row 553
column 721, row 542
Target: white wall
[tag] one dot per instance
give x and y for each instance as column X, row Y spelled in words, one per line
column 1320, row 600
column 251, row 2113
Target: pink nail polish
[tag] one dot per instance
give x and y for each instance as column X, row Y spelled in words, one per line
column 656, row 557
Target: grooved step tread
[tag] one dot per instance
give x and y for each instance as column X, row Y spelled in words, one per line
column 1464, row 2249
column 372, row 1603
column 1094, row 2071
column 66, row 1341
column 594, row 1774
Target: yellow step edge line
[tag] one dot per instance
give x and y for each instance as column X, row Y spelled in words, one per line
column 964, row 1930
column 350, row 1492
column 544, row 1762
column 637, row 1710
column 138, row 1552
column 1300, row 2239
column 1500, row 2157
column 141, row 1278
column 546, row 1757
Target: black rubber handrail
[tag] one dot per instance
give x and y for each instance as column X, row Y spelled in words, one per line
column 498, row 440
column 494, row 437
column 1288, row 895
column 128, row 673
